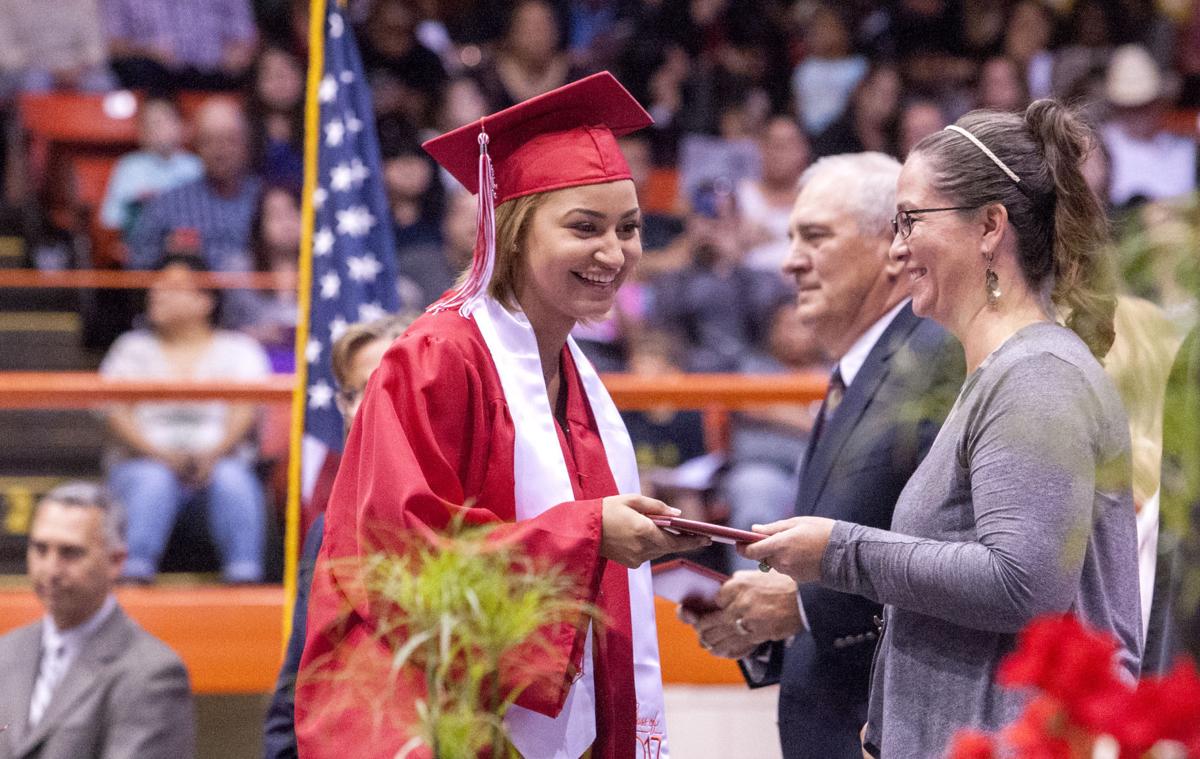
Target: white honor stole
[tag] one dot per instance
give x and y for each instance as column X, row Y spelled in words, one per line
column 542, row 481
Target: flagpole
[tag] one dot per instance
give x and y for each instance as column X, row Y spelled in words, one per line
column 312, row 129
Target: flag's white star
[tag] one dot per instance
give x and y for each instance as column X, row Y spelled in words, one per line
column 331, row 285
column 327, row 92
column 319, row 395
column 369, row 312
column 337, row 26
column 355, row 221
column 313, row 352
column 353, row 124
column 341, row 177
column 335, row 132
column 363, row 268
column 358, row 171
column 323, row 242
column 320, row 195
column 337, row 328
column 347, row 77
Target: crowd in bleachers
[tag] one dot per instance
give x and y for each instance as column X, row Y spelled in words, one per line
column 745, row 93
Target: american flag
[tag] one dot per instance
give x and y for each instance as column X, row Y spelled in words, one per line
column 353, row 251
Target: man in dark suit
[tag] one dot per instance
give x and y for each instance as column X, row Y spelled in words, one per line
column 895, row 378
column 86, row 681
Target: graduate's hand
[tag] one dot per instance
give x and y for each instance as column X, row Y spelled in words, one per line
column 629, row 538
column 795, row 546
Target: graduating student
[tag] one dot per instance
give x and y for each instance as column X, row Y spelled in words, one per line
column 486, row 409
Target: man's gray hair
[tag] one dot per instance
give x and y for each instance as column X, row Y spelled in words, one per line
column 868, row 185
column 82, row 494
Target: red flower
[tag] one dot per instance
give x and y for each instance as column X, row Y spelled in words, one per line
column 972, row 744
column 1166, row 707
column 1039, row 732
column 1075, row 665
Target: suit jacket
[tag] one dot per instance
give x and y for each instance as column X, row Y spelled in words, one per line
column 125, row 696
column 279, row 727
column 854, row 469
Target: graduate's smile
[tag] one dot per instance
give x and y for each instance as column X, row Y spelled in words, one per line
column 581, row 245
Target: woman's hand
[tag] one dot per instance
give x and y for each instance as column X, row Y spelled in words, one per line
column 795, row 547
column 628, row 537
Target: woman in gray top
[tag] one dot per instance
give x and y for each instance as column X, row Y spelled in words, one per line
column 1023, row 505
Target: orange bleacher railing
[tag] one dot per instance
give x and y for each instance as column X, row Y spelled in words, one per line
column 108, row 279
column 61, row 390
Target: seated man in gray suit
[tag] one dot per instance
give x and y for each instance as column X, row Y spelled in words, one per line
column 895, row 378
column 85, row 680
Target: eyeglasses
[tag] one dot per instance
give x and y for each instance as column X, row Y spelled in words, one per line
column 903, row 220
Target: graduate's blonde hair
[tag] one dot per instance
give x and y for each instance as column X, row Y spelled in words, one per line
column 513, row 218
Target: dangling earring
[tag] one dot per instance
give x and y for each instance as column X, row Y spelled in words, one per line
column 991, row 282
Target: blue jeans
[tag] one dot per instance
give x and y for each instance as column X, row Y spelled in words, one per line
column 153, row 497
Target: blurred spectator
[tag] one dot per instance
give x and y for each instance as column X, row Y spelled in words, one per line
column 825, row 79
column 52, row 46
column 1147, row 161
column 276, row 114
column 659, row 229
column 869, row 122
column 428, row 269
column 766, row 202
column 462, row 102
column 928, row 43
column 417, row 201
column 169, row 45
column 919, row 119
column 211, row 215
column 594, row 29
column 1030, row 30
column 529, row 59
column 172, row 456
column 406, row 77
column 160, row 165
column 269, row 316
column 983, row 27
column 86, row 680
column 1001, row 86
column 663, row 438
column 766, row 444
column 720, row 305
column 727, row 158
column 1079, row 64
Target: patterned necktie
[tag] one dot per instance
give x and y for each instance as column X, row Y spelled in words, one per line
column 834, row 394
column 50, row 673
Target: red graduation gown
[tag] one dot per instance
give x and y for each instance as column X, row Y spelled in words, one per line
column 434, row 432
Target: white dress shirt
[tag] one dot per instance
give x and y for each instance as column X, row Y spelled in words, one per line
column 70, row 643
column 849, row 365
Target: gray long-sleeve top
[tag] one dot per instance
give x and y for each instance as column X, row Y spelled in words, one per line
column 1022, row 507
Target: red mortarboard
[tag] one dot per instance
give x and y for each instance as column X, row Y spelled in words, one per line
column 564, row 138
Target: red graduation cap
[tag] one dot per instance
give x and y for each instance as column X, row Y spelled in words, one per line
column 564, row 138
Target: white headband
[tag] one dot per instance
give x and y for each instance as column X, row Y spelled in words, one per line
column 995, row 159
